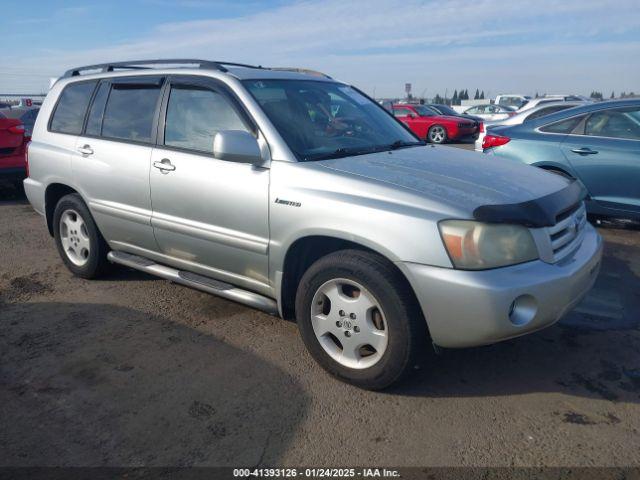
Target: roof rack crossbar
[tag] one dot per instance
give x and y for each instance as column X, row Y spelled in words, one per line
column 306, row 71
column 145, row 64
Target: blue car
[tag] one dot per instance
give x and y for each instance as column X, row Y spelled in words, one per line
column 597, row 144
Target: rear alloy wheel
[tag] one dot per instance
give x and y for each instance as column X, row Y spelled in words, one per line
column 80, row 244
column 74, row 237
column 437, row 134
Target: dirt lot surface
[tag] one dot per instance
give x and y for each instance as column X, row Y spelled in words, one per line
column 132, row 370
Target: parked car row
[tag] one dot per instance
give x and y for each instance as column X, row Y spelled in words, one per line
column 431, row 125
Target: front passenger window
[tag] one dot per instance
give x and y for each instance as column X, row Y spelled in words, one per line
column 195, row 115
column 619, row 123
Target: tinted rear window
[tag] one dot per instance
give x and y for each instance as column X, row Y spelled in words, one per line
column 129, row 112
column 94, row 121
column 72, row 106
column 563, row 126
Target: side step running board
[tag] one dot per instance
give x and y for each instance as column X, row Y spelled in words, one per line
column 196, row 281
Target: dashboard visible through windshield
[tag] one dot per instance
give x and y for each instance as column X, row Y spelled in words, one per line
column 321, row 120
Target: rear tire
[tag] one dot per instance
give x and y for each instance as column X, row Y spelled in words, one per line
column 79, row 242
column 359, row 319
column 437, row 134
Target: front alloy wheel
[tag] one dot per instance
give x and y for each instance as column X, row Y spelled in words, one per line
column 359, row 319
column 437, row 134
column 349, row 323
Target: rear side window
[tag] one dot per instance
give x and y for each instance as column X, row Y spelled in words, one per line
column 130, row 111
column 68, row 116
column 94, row 121
column 563, row 126
column 546, row 111
column 195, row 115
column 618, row 123
column 402, row 112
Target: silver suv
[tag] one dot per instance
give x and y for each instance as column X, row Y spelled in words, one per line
column 296, row 194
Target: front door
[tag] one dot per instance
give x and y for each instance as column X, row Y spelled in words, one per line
column 209, row 214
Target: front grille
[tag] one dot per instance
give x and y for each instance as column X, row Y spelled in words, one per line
column 566, row 235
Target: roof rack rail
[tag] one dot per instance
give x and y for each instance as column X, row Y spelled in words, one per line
column 306, row 71
column 145, row 64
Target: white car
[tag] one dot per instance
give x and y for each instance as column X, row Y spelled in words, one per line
column 540, row 110
column 491, row 112
column 514, row 101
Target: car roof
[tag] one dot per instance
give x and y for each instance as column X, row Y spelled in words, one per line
column 196, row 67
column 584, row 108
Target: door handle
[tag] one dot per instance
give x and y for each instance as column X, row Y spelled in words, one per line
column 164, row 165
column 85, row 150
column 584, row 151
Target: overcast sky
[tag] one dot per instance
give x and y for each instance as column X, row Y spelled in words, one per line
column 499, row 46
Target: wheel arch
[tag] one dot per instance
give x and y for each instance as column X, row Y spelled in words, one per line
column 304, row 251
column 52, row 195
column 563, row 169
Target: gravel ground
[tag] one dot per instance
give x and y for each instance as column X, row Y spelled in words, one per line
column 132, row 370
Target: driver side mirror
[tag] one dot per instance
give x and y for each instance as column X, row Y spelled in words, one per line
column 411, row 115
column 237, row 146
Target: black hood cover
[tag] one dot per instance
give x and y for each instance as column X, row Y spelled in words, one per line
column 541, row 212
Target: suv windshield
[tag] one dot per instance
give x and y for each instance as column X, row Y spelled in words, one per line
column 321, row 120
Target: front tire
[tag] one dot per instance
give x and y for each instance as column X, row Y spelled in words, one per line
column 359, row 319
column 437, row 134
column 80, row 244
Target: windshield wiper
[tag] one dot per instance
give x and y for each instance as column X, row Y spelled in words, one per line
column 402, row 143
column 346, row 152
column 339, row 153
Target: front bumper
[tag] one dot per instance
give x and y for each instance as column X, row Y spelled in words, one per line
column 469, row 308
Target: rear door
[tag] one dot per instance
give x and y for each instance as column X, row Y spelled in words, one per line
column 112, row 159
column 209, row 214
column 604, row 150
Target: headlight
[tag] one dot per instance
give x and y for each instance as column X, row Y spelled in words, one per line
column 478, row 246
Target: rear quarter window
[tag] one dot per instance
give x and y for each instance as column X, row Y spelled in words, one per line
column 68, row 116
column 563, row 126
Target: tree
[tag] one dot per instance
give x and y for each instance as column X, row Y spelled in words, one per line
column 438, row 99
column 537, row 96
column 477, row 95
column 482, row 95
column 466, row 94
column 596, row 95
column 612, row 95
column 454, row 99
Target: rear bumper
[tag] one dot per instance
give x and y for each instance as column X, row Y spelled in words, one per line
column 468, row 308
column 13, row 173
column 35, row 194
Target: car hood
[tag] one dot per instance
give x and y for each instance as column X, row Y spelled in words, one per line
column 458, row 179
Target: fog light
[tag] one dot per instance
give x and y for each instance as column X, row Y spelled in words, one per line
column 522, row 310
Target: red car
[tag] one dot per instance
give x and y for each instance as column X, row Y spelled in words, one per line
column 15, row 133
column 433, row 127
